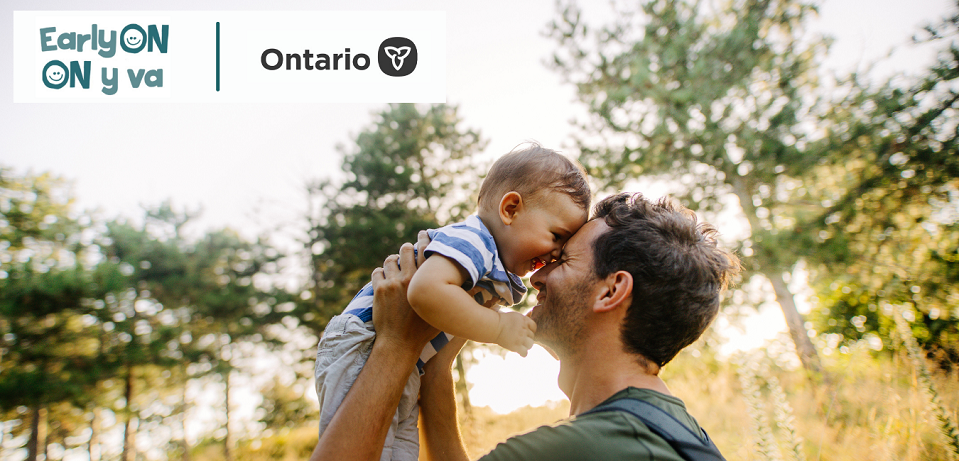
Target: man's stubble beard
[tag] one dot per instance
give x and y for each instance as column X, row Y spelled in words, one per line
column 561, row 326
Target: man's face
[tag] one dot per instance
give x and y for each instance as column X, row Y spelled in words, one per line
column 566, row 289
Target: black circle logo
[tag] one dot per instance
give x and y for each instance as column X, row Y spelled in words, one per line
column 397, row 56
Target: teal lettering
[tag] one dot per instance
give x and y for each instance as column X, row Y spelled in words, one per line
column 54, row 75
column 81, row 39
column 161, row 43
column 135, row 78
column 133, row 38
column 67, row 41
column 108, row 48
column 109, row 83
column 83, row 76
column 154, row 78
column 45, row 38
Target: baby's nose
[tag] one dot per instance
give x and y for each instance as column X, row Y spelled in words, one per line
column 554, row 255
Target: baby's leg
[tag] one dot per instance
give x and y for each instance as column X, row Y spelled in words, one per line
column 343, row 350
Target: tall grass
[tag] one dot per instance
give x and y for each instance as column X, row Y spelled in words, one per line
column 873, row 408
column 945, row 421
column 762, row 433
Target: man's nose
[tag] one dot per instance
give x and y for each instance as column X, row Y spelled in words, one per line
column 538, row 279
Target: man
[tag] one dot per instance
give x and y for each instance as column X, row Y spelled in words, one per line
column 636, row 284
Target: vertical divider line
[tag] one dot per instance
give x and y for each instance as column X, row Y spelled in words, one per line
column 218, row 56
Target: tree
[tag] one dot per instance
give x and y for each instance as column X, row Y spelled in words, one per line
column 177, row 302
column 229, row 305
column 712, row 99
column 888, row 229
column 140, row 264
column 45, row 356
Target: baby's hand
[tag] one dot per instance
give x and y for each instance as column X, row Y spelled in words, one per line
column 516, row 332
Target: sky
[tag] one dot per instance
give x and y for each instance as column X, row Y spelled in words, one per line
column 245, row 164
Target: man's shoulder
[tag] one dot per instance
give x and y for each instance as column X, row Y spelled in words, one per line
column 573, row 439
column 609, row 435
column 668, row 403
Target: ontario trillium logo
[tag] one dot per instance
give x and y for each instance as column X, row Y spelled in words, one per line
column 397, row 56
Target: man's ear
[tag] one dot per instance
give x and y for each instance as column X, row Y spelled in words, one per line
column 509, row 206
column 615, row 290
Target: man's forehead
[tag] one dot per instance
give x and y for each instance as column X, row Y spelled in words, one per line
column 582, row 240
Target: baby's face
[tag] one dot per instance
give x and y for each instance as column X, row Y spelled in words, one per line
column 538, row 233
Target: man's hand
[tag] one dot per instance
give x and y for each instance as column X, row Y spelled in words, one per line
column 359, row 427
column 516, row 332
column 396, row 322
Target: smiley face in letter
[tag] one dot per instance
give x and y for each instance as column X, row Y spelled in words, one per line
column 133, row 38
column 55, row 74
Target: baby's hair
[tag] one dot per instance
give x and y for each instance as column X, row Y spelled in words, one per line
column 532, row 169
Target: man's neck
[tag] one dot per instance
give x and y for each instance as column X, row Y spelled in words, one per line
column 598, row 371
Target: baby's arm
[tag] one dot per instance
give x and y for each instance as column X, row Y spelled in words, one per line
column 436, row 294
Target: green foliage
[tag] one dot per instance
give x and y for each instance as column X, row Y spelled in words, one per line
column 117, row 315
column 888, row 226
column 704, row 96
column 46, row 354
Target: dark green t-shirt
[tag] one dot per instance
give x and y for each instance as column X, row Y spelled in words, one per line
column 608, row 435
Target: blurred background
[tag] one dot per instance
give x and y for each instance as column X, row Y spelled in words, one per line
column 166, row 270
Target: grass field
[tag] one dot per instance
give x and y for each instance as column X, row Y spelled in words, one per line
column 868, row 407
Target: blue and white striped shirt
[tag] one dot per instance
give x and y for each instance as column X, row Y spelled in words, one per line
column 469, row 244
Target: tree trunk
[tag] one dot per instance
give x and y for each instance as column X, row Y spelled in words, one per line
column 93, row 446
column 227, row 455
column 461, row 388
column 43, row 433
column 34, row 441
column 129, row 450
column 183, row 410
column 797, row 328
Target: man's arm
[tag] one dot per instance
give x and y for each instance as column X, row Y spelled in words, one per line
column 439, row 424
column 359, row 427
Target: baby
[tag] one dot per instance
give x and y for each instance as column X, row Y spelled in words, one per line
column 531, row 202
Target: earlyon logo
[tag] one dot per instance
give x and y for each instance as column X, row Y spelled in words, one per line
column 397, row 56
